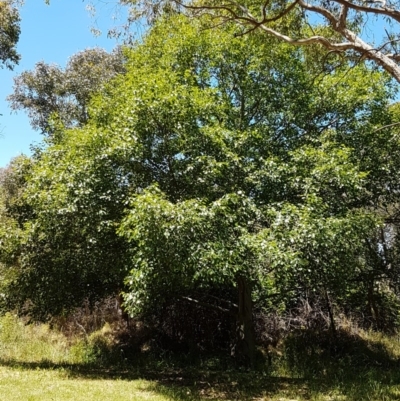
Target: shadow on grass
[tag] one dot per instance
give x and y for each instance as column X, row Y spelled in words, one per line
column 313, row 366
column 179, row 384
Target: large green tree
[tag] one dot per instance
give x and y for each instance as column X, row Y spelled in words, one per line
column 215, row 162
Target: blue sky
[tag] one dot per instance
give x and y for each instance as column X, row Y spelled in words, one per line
column 50, row 33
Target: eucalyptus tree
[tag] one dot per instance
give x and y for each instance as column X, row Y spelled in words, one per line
column 52, row 95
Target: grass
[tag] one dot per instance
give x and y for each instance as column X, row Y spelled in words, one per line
column 37, row 363
column 51, row 384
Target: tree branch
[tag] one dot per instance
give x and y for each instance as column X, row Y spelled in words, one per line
column 343, row 17
column 388, row 12
column 281, row 14
column 386, row 126
column 231, row 311
column 320, row 10
column 242, row 15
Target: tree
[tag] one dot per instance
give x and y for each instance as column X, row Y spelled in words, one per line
column 13, row 180
column 50, row 93
column 53, row 260
column 9, row 33
column 215, row 162
column 341, row 26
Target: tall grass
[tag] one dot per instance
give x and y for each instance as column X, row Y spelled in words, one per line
column 38, row 343
column 32, row 343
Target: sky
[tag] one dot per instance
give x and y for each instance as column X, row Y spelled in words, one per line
column 52, row 34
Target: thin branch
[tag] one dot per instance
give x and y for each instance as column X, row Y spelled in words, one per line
column 310, row 40
column 225, row 301
column 281, row 14
column 322, row 11
column 385, row 126
column 235, row 16
column 264, row 10
column 209, row 306
column 343, row 17
column 253, row 28
column 389, row 12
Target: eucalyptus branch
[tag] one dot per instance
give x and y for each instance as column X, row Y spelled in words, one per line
column 386, row 11
column 239, row 13
column 320, row 10
column 284, row 12
column 343, row 17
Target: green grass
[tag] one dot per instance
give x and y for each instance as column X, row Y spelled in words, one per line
column 37, row 363
column 50, row 384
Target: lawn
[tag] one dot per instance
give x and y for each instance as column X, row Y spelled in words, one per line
column 28, row 383
column 56, row 384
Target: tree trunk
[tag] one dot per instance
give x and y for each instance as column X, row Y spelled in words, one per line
column 372, row 305
column 331, row 317
column 244, row 348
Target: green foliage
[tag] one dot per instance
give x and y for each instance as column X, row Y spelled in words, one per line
column 13, row 179
column 54, row 249
column 9, row 33
column 212, row 157
column 53, row 96
column 97, row 348
column 273, row 194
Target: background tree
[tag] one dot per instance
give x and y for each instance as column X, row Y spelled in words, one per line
column 13, row 179
column 64, row 244
column 64, row 94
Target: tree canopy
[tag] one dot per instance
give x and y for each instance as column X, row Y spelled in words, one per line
column 202, row 165
column 51, row 91
column 211, row 160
